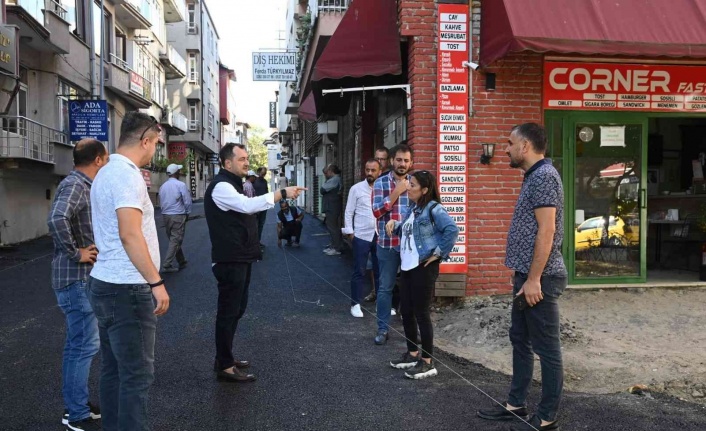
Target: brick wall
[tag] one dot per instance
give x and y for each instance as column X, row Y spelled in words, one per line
column 493, row 188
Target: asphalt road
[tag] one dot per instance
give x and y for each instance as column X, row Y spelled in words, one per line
column 317, row 367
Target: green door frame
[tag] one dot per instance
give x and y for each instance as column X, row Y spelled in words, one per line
column 569, row 119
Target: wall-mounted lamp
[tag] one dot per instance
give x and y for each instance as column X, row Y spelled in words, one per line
column 489, row 82
column 488, row 153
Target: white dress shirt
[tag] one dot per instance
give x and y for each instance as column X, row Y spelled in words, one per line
column 228, row 199
column 359, row 218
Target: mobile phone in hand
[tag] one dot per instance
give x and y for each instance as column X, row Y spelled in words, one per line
column 519, row 303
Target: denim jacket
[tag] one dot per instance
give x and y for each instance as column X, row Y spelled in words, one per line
column 431, row 240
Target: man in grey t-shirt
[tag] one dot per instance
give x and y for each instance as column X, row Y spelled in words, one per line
column 534, row 253
column 125, row 278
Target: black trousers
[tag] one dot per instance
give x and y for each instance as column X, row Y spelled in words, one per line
column 291, row 229
column 415, row 299
column 233, row 284
column 261, row 217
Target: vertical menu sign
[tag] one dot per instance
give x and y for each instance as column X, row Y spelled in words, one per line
column 452, row 104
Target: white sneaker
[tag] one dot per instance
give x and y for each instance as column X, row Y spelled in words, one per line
column 356, row 311
column 333, row 252
column 327, row 249
column 393, row 312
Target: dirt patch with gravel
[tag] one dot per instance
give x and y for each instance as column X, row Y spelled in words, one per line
column 611, row 339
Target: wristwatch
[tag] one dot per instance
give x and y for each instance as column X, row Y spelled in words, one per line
column 283, row 192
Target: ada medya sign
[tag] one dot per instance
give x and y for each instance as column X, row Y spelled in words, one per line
column 88, row 119
column 273, row 114
column 274, row 66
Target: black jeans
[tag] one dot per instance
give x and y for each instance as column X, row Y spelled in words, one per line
column 415, row 299
column 261, row 216
column 233, row 284
column 291, row 229
column 537, row 329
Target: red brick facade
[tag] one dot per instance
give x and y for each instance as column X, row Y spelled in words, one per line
column 493, row 188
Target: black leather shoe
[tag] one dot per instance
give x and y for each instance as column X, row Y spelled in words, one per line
column 381, row 338
column 236, row 364
column 536, row 424
column 498, row 413
column 236, row 376
column 371, row 297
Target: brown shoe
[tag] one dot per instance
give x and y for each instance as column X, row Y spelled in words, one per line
column 371, row 297
column 236, row 376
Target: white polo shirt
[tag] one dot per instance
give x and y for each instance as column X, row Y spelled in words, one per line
column 119, row 184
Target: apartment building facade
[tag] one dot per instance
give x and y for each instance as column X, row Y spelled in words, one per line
column 197, row 95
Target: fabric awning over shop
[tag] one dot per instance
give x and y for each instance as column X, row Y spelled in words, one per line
column 366, row 43
column 674, row 28
column 307, row 109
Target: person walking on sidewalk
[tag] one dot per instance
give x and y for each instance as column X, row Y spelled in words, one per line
column 248, row 188
column 232, row 227
column 359, row 225
column 390, row 202
column 289, row 224
column 282, row 181
column 74, row 255
column 428, row 235
column 261, row 189
column 175, row 202
column 534, row 253
column 125, row 277
column 332, row 204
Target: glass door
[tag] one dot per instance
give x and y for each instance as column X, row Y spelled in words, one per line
column 607, row 200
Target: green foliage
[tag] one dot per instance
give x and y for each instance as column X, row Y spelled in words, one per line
column 257, row 151
column 160, row 165
column 701, row 218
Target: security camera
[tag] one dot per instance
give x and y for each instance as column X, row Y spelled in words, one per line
column 471, row 65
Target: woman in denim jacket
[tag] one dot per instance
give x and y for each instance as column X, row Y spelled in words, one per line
column 427, row 235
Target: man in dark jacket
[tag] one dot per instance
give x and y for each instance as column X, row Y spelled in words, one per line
column 261, row 189
column 332, row 202
column 232, row 226
column 289, row 225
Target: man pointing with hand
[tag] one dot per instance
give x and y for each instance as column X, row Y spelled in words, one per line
column 233, row 227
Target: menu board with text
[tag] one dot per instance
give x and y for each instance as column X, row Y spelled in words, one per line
column 452, row 108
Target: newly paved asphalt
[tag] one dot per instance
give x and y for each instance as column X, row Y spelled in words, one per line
column 317, row 367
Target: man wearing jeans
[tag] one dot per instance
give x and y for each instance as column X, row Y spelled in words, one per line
column 534, row 253
column 390, row 202
column 125, row 277
column 74, row 254
column 360, row 225
column 175, row 201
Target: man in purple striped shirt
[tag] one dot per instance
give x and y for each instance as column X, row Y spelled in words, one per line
column 74, row 254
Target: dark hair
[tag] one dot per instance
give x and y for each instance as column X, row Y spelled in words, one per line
column 427, row 180
column 384, row 150
column 136, row 124
column 374, row 161
column 281, row 174
column 334, row 169
column 260, row 169
column 227, row 152
column 534, row 133
column 86, row 151
column 283, row 202
column 402, row 148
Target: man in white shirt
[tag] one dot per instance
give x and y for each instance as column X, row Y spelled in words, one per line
column 175, row 202
column 125, row 277
column 360, row 226
column 235, row 245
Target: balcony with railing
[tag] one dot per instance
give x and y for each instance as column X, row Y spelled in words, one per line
column 324, row 6
column 134, row 14
column 174, row 10
column 174, row 63
column 175, row 123
column 51, row 33
column 22, row 138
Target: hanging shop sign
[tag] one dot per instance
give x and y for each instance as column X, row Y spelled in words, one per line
column 624, row 87
column 273, row 114
column 177, row 150
column 192, row 174
column 452, row 104
column 88, row 119
column 137, row 84
column 274, row 66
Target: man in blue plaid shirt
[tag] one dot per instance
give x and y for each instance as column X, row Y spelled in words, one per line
column 74, row 254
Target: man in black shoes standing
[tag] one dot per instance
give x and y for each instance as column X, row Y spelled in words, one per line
column 233, row 228
column 534, row 253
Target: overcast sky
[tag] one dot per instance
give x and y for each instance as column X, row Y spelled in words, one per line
column 245, row 26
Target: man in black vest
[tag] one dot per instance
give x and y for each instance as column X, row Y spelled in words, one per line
column 232, row 226
column 289, row 224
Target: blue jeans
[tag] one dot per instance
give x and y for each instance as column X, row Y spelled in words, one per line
column 79, row 349
column 361, row 250
column 389, row 261
column 537, row 329
column 127, row 327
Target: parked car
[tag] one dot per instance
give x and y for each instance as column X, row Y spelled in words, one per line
column 620, row 232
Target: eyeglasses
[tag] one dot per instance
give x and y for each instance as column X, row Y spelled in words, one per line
column 154, row 125
column 381, row 159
